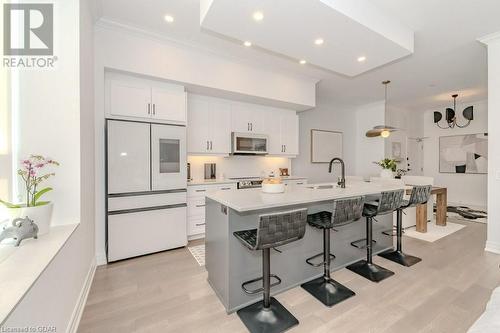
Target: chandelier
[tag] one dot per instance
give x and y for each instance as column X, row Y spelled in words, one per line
column 451, row 118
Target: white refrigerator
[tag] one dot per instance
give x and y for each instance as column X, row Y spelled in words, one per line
column 146, row 188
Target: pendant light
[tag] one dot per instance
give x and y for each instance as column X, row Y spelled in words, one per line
column 382, row 130
column 451, row 118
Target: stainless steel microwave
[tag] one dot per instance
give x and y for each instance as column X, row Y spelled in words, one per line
column 249, row 144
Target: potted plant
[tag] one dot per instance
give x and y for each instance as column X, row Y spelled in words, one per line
column 389, row 166
column 32, row 176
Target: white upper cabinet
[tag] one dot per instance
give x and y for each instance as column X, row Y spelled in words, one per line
column 169, row 103
column 209, row 125
column 290, row 134
column 282, row 129
column 247, row 118
column 128, row 97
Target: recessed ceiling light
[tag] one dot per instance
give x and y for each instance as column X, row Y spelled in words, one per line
column 319, row 41
column 169, row 18
column 361, row 59
column 247, row 43
column 303, row 62
column 258, row 16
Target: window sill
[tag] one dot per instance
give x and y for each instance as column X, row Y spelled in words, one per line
column 20, row 267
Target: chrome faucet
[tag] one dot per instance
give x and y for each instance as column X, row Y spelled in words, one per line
column 341, row 181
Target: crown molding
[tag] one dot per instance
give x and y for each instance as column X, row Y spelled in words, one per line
column 490, row 38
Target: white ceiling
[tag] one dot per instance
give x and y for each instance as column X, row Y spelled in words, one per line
column 349, row 28
column 447, row 58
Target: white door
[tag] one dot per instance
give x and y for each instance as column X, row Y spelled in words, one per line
column 198, row 129
column 168, row 157
column 290, row 134
column 128, row 156
column 220, row 128
column 141, row 232
column 129, row 98
column 415, row 160
column 169, row 103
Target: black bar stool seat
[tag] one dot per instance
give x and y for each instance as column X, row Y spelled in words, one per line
column 325, row 289
column 388, row 202
column 276, row 229
column 419, row 196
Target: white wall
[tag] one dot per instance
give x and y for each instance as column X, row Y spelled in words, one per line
column 493, row 240
column 145, row 54
column 326, row 117
column 369, row 150
column 466, row 189
column 54, row 299
column 359, row 151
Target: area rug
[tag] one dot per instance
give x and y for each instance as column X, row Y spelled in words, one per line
column 434, row 232
column 198, row 252
column 467, row 214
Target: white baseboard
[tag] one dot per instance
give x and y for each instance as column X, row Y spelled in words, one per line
column 492, row 247
column 198, row 236
column 82, row 299
column 101, row 259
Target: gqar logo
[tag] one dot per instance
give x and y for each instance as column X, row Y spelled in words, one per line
column 28, row 35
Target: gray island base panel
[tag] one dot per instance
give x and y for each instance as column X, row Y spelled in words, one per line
column 229, row 263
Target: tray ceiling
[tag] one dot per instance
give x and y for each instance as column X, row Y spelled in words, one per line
column 356, row 35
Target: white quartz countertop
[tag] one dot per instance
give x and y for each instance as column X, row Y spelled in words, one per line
column 195, row 182
column 255, row 199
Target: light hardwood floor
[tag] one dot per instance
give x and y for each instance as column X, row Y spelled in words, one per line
column 168, row 292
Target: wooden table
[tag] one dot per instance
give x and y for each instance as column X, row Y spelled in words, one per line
column 441, row 209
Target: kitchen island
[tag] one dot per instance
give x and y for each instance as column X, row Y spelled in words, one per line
column 229, row 263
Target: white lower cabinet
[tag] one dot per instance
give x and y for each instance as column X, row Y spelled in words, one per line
column 137, row 233
column 196, row 207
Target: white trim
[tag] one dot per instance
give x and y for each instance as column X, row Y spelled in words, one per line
column 82, row 299
column 100, row 259
column 490, row 38
column 492, row 247
column 197, row 236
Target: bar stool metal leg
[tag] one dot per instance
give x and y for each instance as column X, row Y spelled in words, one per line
column 324, row 288
column 398, row 256
column 367, row 268
column 268, row 315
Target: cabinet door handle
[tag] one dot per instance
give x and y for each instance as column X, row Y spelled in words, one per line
column 200, row 190
column 154, row 109
column 300, row 183
column 248, row 126
column 149, row 108
column 199, row 224
column 251, row 127
column 284, row 148
column 200, row 206
column 225, row 188
column 210, row 145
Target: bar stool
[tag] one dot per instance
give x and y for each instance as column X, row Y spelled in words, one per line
column 387, row 203
column 274, row 230
column 419, row 195
column 324, row 288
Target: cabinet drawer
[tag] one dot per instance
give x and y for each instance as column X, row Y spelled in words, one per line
column 196, row 207
column 137, row 233
column 202, row 190
column 148, row 200
column 196, row 226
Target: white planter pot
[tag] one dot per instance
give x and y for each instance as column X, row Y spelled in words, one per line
column 41, row 215
column 386, row 173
